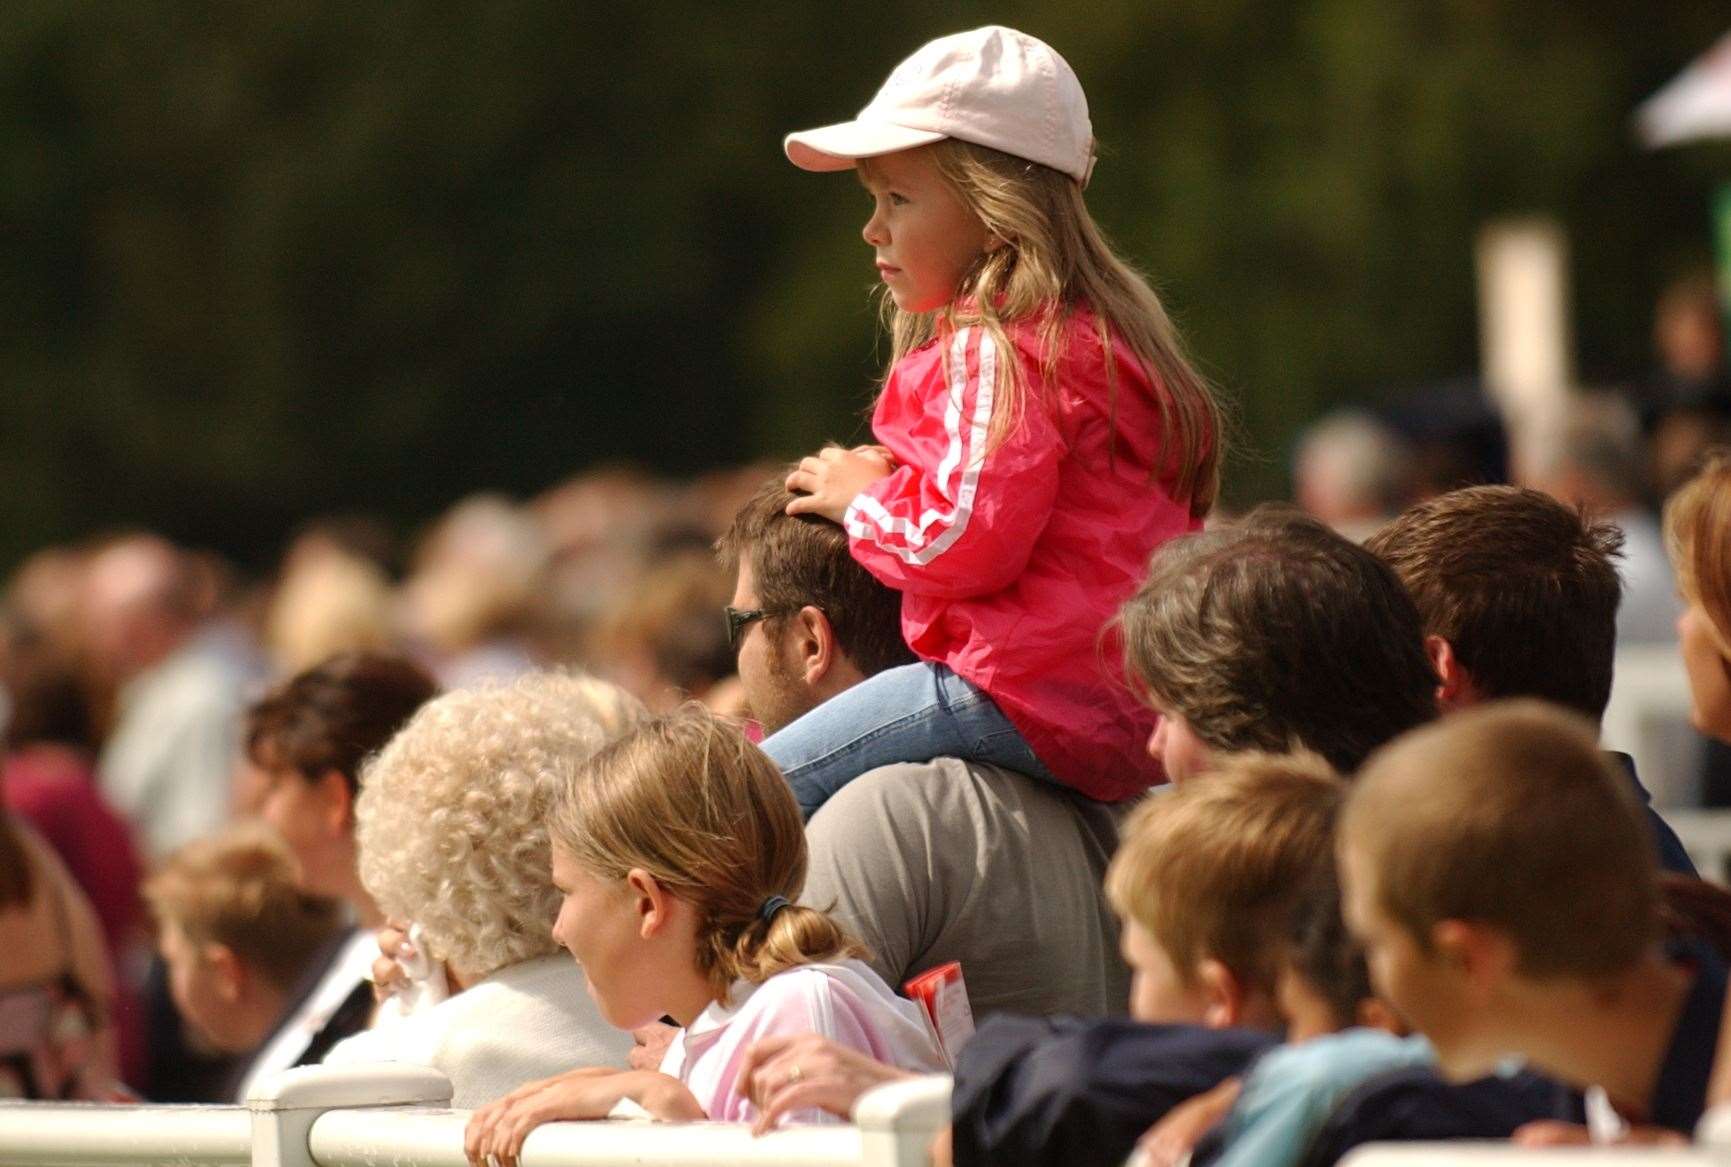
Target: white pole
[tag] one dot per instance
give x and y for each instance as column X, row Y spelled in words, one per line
column 1524, row 336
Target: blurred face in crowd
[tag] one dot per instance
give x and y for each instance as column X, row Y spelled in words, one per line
column 203, row 986
column 1425, row 984
column 1158, row 993
column 1709, row 672
column 1176, row 747
column 315, row 819
column 924, row 236
column 767, row 672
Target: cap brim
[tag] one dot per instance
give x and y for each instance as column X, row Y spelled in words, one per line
column 837, row 147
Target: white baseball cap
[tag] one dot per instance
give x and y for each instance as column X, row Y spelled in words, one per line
column 992, row 86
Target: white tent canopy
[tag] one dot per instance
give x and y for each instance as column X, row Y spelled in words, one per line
column 1696, row 104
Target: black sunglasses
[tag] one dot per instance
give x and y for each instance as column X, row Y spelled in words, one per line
column 737, row 621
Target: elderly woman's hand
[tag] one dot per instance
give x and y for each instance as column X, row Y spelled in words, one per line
column 499, row 1128
column 389, row 976
column 792, row 1072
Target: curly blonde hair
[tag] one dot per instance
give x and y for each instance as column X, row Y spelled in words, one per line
column 451, row 820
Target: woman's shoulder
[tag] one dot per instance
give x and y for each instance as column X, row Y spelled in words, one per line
column 535, row 1008
column 844, row 975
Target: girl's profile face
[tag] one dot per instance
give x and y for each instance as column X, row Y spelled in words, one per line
column 599, row 925
column 925, row 237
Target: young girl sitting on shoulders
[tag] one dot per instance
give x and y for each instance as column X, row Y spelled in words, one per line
column 1042, row 432
column 678, row 850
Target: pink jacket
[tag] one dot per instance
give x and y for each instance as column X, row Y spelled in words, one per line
column 1010, row 563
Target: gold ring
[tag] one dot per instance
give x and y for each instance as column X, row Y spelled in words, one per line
column 793, row 1075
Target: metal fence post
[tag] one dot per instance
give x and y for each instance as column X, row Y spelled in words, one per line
column 898, row 1122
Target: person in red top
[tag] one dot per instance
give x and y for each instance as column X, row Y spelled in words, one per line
column 1041, row 433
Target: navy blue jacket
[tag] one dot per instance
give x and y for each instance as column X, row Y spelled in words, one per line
column 1074, row 1091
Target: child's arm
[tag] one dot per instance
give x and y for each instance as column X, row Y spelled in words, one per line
column 960, row 516
column 499, row 1128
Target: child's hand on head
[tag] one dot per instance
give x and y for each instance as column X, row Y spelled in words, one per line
column 829, row 480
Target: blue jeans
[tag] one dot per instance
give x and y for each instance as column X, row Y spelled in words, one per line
column 912, row 713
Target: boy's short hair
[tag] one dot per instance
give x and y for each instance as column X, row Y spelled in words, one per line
column 1523, row 588
column 803, row 559
column 1509, row 815
column 1213, row 869
column 1275, row 633
column 240, row 889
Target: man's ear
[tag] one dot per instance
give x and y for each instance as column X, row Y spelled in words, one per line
column 1454, row 686
column 1223, row 995
column 653, row 903
column 336, row 801
column 814, row 642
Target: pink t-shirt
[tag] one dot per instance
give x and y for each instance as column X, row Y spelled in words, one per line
column 846, row 1002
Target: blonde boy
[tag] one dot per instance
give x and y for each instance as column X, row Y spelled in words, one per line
column 237, row 934
column 1503, row 882
column 1206, row 882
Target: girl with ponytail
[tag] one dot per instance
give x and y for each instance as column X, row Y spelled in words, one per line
column 679, row 851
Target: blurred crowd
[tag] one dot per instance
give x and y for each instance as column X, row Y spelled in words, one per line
column 132, row 668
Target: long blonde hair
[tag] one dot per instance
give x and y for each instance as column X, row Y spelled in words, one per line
column 1698, row 538
column 1053, row 260
column 689, row 800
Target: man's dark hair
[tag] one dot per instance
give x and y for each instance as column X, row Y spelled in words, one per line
column 1523, row 588
column 1274, row 633
column 336, row 714
column 797, row 560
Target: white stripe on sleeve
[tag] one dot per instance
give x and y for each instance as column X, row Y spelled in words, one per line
column 867, row 518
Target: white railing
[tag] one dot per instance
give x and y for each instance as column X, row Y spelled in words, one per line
column 77, row 1134
column 1712, row 1149
column 364, row 1116
column 1504, row 1155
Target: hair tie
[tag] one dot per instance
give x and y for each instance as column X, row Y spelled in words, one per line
column 771, row 906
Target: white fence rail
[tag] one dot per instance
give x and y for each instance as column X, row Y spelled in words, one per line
column 364, row 1116
column 89, row 1135
column 368, row 1116
column 1503, row 1155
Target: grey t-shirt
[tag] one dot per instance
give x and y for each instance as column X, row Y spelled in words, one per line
column 947, row 860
